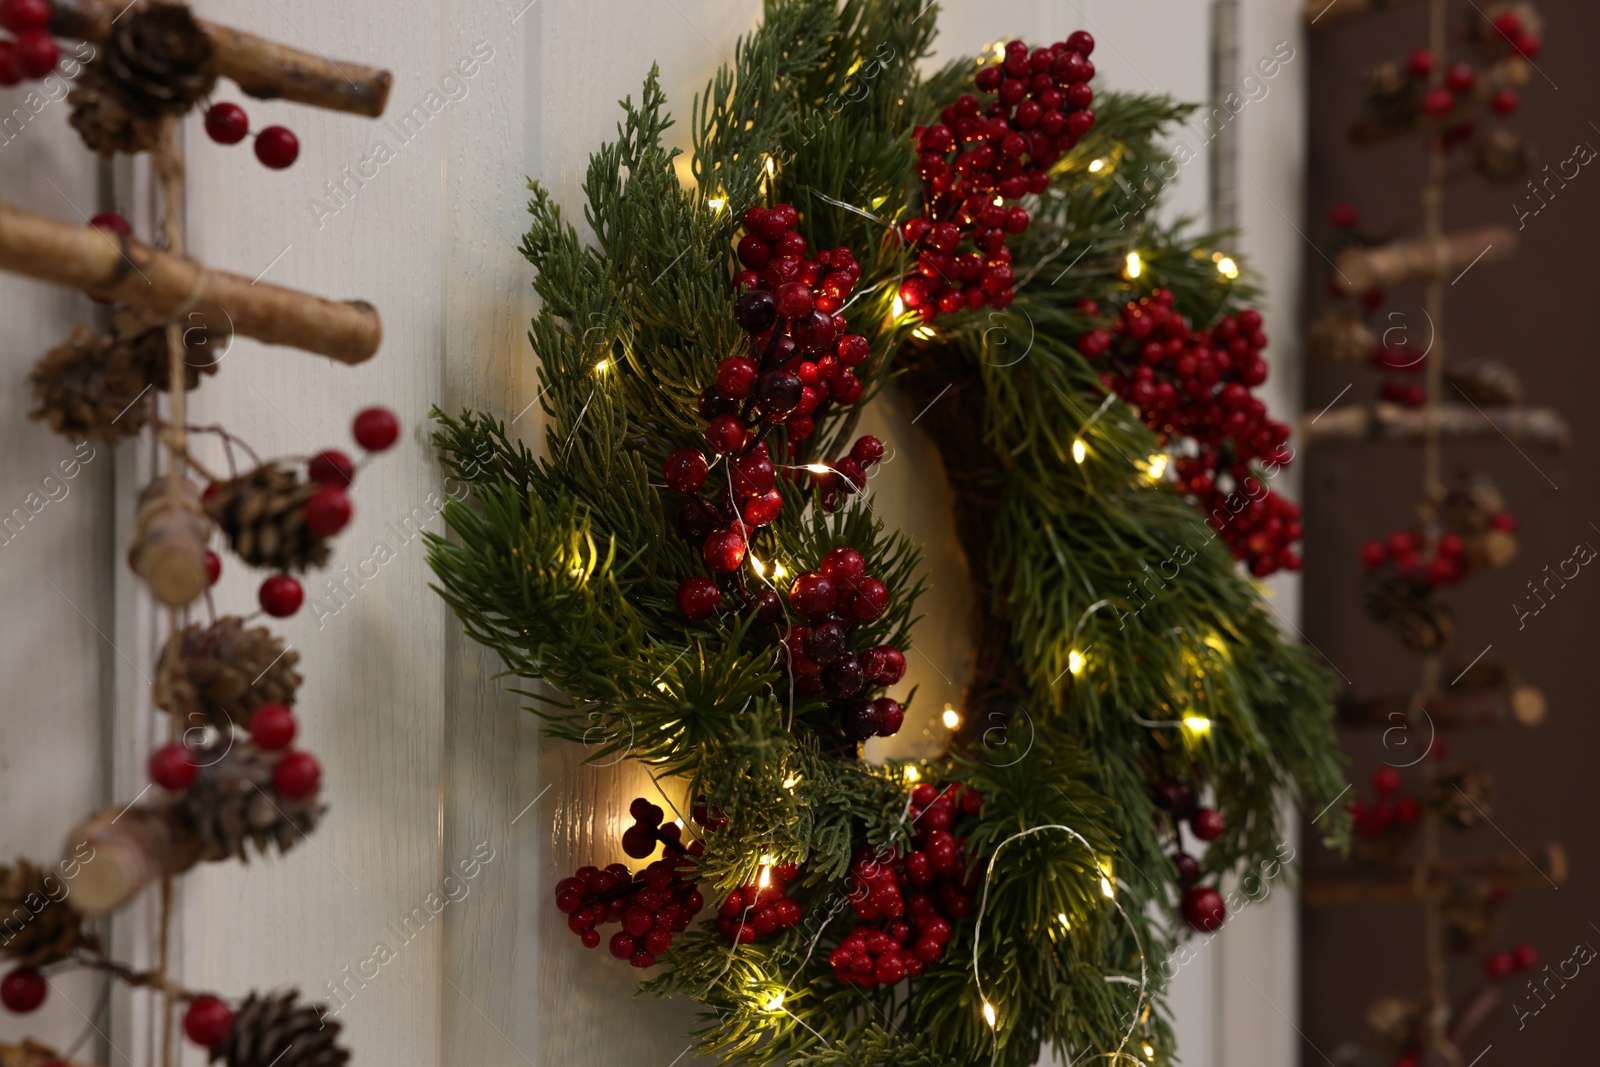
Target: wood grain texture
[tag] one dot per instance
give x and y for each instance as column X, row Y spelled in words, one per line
column 55, row 552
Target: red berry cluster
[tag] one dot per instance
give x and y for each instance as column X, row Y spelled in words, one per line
column 296, row 775
column 1202, row 906
column 652, row 906
column 1499, row 966
column 911, row 899
column 276, row 146
column 326, row 511
column 761, row 908
column 977, row 158
column 1407, row 554
column 1196, row 384
column 1410, row 394
column 834, row 599
column 32, row 53
column 1389, row 808
column 1508, row 37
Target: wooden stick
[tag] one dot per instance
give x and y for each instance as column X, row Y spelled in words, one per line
column 1485, row 382
column 1357, row 270
column 132, row 847
column 32, row 1053
column 85, row 257
column 1523, row 705
column 264, row 69
column 1325, row 14
column 1535, row 427
column 1507, row 869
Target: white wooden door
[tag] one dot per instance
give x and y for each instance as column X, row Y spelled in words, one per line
column 428, row 765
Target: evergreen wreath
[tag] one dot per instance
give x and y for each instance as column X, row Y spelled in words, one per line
column 1019, row 891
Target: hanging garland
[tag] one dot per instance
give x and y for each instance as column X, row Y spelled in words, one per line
column 694, row 567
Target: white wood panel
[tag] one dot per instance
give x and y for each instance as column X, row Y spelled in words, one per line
column 55, row 550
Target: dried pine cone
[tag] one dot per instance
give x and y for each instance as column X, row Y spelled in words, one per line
column 234, row 804
column 90, row 387
column 275, row 1030
column 159, row 58
column 263, row 514
column 1463, row 795
column 223, row 672
column 36, row 925
column 145, row 335
column 1501, row 155
column 1393, row 1020
column 1393, row 97
column 105, row 119
column 1471, row 914
column 1340, row 338
column 1422, row 622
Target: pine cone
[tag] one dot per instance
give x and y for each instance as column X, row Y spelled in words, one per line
column 1393, row 1021
column 275, row 1030
column 221, row 673
column 1393, row 97
column 263, row 514
column 1471, row 914
column 1340, row 338
column 159, row 58
column 1464, row 795
column 105, row 119
column 234, row 804
column 1501, row 155
column 90, row 387
column 1422, row 622
column 36, row 925
column 145, row 335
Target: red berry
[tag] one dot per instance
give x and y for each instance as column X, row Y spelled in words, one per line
column 277, row 147
column 331, row 467
column 9, row 74
column 726, row 435
column 686, row 470
column 698, row 597
column 1460, row 78
column 23, row 16
column 1525, row 957
column 207, row 1022
column 1203, row 909
column 1508, row 23
column 281, row 596
column 1439, row 102
column 272, row 727
column 36, row 54
column 213, row 565
column 621, row 945
column 890, row 665
column 812, row 595
column 227, row 123
column 871, row 599
column 724, row 550
column 1344, row 216
column 110, row 220
column 1207, row 824
column 23, row 989
column 297, row 775
column 1503, row 520
column 794, row 300
column 753, row 251
column 327, row 511
column 1527, row 44
column 590, row 938
column 844, row 567
column 1452, row 547
column 736, row 376
column 890, row 716
column 1386, row 780
column 375, row 429
column 867, row 450
column 1505, row 101
column 172, row 766
column 1498, row 966
column 1420, row 63
column 1373, row 554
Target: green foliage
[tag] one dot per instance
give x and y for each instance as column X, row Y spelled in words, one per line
column 565, row 562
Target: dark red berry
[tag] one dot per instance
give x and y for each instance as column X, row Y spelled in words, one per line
column 1420, row 63
column 226, row 123
column 890, row 716
column 331, row 467
column 793, row 300
column 327, row 511
column 724, row 550
column 23, row 16
column 213, row 565
column 36, row 54
column 858, row 719
column 756, row 311
column 1206, row 824
column 1498, row 966
column 172, row 767
column 207, row 1022
column 1344, row 216
column 1525, row 957
column 281, row 596
column 272, row 727
column 110, row 220
column 698, row 597
column 1386, row 780
column 736, row 376
column 297, row 775
column 1188, row 869
column 812, row 595
column 9, row 73
column 277, row 147
column 375, row 429
column 867, row 450
column 686, row 470
column 1203, row 909
column 726, row 435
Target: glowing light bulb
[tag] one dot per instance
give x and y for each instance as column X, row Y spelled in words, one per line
column 765, row 878
column 1135, row 266
column 776, row 1003
column 778, row 571
column 1227, row 268
column 952, row 717
column 1105, row 887
column 1158, row 466
column 923, row 333
column 988, row 1014
column 912, row 774
column 603, row 366
column 999, row 49
column 772, row 168
column 1061, row 917
column 1074, row 662
column 1148, row 1051
column 1096, row 166
column 789, row 782
column 1079, row 450
column 759, row 567
column 999, row 201
column 899, row 307
column 716, row 203
column 819, row 468
column 1198, row 723
column 678, row 823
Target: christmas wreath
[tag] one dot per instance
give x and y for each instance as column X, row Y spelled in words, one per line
column 694, row 569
